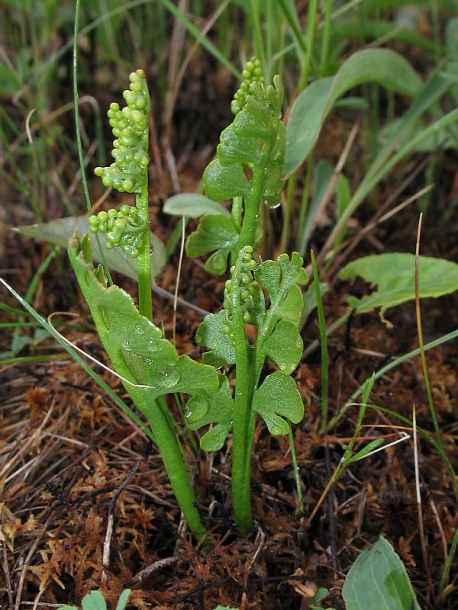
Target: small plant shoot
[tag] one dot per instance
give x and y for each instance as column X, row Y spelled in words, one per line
column 147, row 363
column 247, row 170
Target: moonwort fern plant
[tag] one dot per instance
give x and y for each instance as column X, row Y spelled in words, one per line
column 147, row 363
column 265, row 295
column 231, row 387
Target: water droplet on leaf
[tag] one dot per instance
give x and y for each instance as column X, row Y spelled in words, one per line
column 197, row 407
column 171, row 377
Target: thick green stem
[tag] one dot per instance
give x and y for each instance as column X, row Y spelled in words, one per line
column 246, row 378
column 175, row 465
column 145, row 300
column 242, row 428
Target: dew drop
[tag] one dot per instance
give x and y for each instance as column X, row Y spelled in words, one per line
column 196, row 408
column 171, row 377
column 152, row 344
column 126, row 346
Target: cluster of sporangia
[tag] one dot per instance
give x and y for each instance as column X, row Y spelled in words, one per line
column 126, row 228
column 251, row 74
column 238, row 291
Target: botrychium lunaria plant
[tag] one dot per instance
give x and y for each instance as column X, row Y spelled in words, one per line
column 232, row 386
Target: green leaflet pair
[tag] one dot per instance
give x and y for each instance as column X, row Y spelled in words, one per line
column 231, row 386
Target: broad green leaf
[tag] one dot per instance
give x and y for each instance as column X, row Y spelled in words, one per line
column 281, row 278
column 394, row 274
column 94, row 601
column 217, row 409
column 136, row 347
column 284, row 346
column 343, row 194
column 305, row 121
column 223, row 182
column 268, row 275
column 313, row 105
column 216, row 263
column 211, row 333
column 193, row 205
column 215, row 233
column 59, row 232
column 194, row 377
column 238, row 147
column 290, row 308
column 278, row 397
column 279, row 275
column 123, row 599
column 378, row 579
